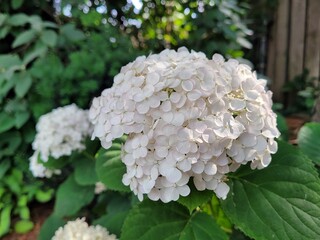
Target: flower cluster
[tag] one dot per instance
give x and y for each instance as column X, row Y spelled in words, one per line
column 58, row 134
column 186, row 117
column 80, row 230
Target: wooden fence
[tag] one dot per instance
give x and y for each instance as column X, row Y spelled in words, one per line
column 294, row 43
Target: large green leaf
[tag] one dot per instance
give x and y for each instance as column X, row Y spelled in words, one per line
column 24, row 37
column 159, row 221
column 309, row 141
column 281, row 201
column 85, row 173
column 18, row 19
column 195, row 198
column 49, row 227
column 6, row 122
column 49, row 37
column 110, row 168
column 23, row 82
column 71, row 197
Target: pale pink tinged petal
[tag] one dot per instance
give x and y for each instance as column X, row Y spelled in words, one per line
column 161, row 151
column 184, row 165
column 210, row 169
column 166, row 106
column 261, row 144
column 140, row 196
column 183, row 147
column 237, row 104
column 138, row 81
column 240, row 157
column 184, row 190
column 139, row 172
column 154, row 194
column 148, row 185
column 105, row 144
column 167, row 117
column 248, row 140
column 152, row 78
column 178, row 119
column 212, row 184
column 139, row 97
column 175, row 97
column 199, row 183
column 194, row 95
column 187, row 85
column 128, row 160
column 209, row 136
column 250, row 154
column 198, row 167
column 116, row 131
column 135, row 142
column 144, row 140
column 218, row 58
column 272, row 146
column 266, row 159
column 154, row 102
column 185, row 74
column 142, row 108
column 126, row 180
column 143, row 152
column 99, row 131
column 115, row 120
column 173, row 175
column 166, row 194
column 118, row 78
column 222, row 190
column 154, row 173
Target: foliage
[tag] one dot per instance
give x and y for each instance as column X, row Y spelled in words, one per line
column 303, row 91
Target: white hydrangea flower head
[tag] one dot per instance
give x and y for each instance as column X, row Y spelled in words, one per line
column 59, row 132
column 186, row 117
column 80, row 230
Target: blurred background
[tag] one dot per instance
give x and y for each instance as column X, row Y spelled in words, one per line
column 57, row 52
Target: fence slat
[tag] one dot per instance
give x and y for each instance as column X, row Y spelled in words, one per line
column 281, row 50
column 312, row 49
column 297, row 37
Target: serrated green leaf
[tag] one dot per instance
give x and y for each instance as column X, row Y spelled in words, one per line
column 308, row 141
column 195, row 198
column 49, row 227
column 159, row 221
column 49, row 37
column 24, row 37
column 18, row 19
column 23, row 226
column 281, row 201
column 16, row 3
column 110, row 168
column 6, row 122
column 85, row 173
column 71, row 197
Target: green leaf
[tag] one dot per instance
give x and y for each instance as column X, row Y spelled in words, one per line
column 85, row 173
column 24, row 37
column 9, row 142
column 23, row 82
column 44, row 196
column 38, row 51
column 9, row 60
column 5, row 220
column 21, row 117
column 16, row 3
column 49, row 37
column 4, row 31
column 6, row 122
column 4, row 166
column 24, row 213
column 3, row 18
column 308, row 141
column 71, row 197
column 195, row 198
column 281, row 201
column 23, row 226
column 49, row 227
column 110, row 168
column 18, row 19
column 158, row 221
column 71, row 33
column 283, row 127
column 117, row 210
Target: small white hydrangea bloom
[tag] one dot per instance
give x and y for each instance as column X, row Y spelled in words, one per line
column 186, row 117
column 80, row 230
column 59, row 132
column 99, row 188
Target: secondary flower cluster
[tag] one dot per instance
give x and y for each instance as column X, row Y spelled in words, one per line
column 58, row 134
column 186, row 117
column 80, row 230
